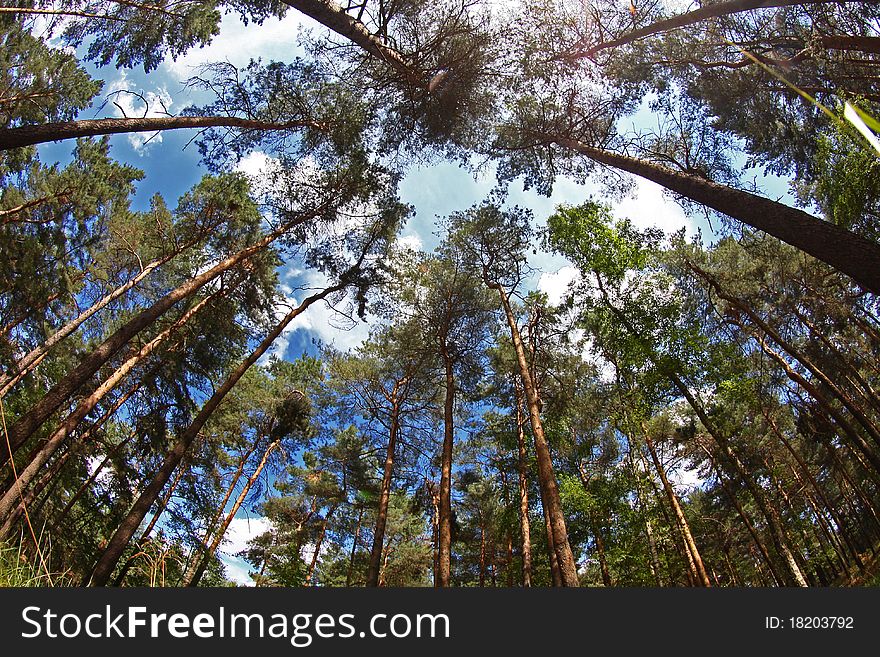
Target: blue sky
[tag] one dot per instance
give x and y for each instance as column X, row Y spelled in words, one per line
column 434, row 191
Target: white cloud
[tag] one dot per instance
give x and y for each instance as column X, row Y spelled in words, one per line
column 237, row 570
column 325, row 323
column 256, row 164
column 238, row 43
column 685, row 478
column 411, row 242
column 650, row 207
column 241, row 530
column 132, row 102
column 555, row 284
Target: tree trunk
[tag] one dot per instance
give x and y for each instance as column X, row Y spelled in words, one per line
column 819, row 491
column 25, row 500
column 756, row 539
column 596, row 529
column 847, row 252
column 444, row 547
column 354, row 545
column 847, row 42
column 555, row 575
column 698, row 569
column 86, row 406
column 202, row 548
column 482, row 582
column 867, row 391
column 85, row 485
column 600, row 553
column 823, row 403
column 96, row 425
column 29, row 361
column 793, row 351
column 777, row 531
column 193, row 576
column 314, row 562
column 104, row 568
column 522, row 462
column 29, row 135
column 25, row 426
column 714, row 10
column 546, row 476
column 333, row 17
column 163, row 504
column 769, row 513
column 385, row 494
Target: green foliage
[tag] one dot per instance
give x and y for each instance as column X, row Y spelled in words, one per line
column 595, row 242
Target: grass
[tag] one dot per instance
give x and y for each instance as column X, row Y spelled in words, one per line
column 17, row 570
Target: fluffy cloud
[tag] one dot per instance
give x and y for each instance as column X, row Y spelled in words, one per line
column 240, row 531
column 650, row 207
column 238, row 43
column 555, row 284
column 127, row 100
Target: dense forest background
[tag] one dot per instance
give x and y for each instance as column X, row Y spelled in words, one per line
column 697, row 408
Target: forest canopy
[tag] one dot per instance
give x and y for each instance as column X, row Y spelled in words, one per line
column 301, row 293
